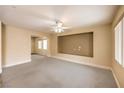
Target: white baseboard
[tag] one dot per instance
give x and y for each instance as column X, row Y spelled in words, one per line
column 89, row 64
column 18, row 63
column 116, row 80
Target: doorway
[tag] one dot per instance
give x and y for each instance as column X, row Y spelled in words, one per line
column 39, row 46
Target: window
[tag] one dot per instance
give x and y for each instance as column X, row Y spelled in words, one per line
column 44, row 44
column 119, row 42
column 39, row 44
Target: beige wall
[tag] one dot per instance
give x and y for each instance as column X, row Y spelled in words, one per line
column 33, row 45
column 17, row 45
column 0, row 48
column 117, row 68
column 77, row 44
column 101, row 47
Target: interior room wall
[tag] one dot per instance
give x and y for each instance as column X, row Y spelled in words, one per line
column 117, row 68
column 33, row 45
column 101, row 47
column 17, row 45
column 76, row 44
column 0, row 49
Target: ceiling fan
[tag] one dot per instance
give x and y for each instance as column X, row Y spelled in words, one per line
column 58, row 27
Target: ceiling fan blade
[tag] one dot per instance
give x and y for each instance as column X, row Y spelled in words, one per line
column 66, row 27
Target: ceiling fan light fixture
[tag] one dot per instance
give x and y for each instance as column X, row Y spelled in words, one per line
column 58, row 28
column 59, row 24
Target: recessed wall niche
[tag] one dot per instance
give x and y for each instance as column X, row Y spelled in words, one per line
column 76, row 44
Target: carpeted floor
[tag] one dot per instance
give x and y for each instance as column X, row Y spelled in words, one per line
column 45, row 72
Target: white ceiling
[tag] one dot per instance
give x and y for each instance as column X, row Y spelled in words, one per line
column 41, row 18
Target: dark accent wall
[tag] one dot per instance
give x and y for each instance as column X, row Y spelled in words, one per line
column 76, row 44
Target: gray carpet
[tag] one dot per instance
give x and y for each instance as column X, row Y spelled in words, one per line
column 45, row 72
